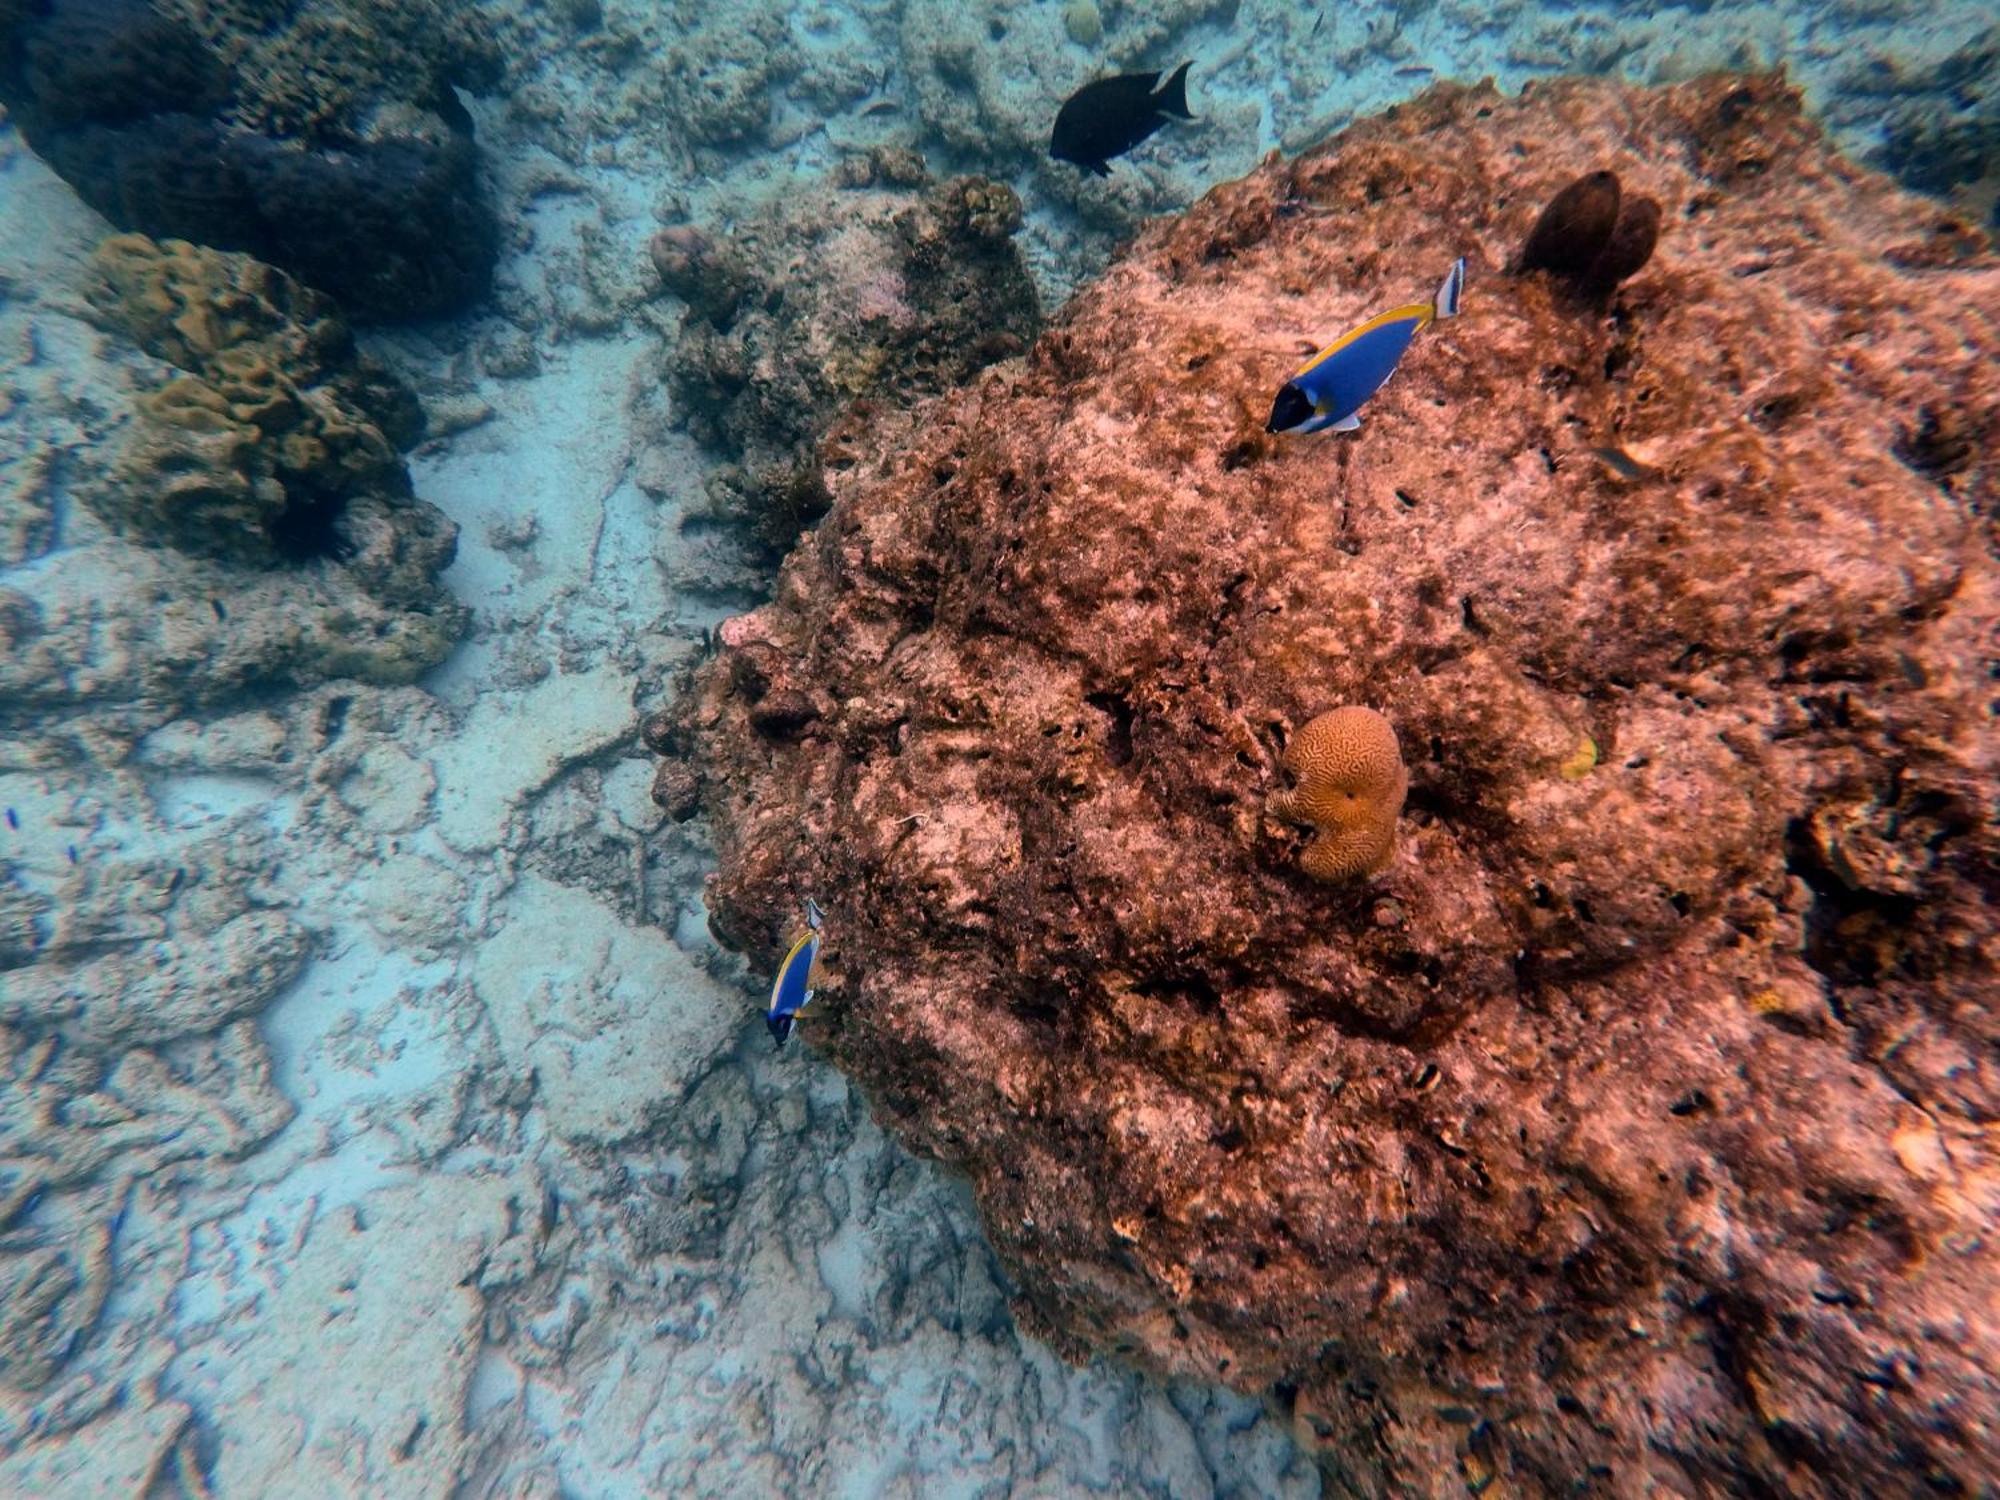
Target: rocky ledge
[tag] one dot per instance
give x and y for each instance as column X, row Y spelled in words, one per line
column 1631, row 1127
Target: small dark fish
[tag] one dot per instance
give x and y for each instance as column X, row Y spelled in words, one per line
column 72, row 852
column 180, row 874
column 1623, row 464
column 1109, row 117
column 220, row 612
column 13, row 820
column 1415, row 70
column 880, row 107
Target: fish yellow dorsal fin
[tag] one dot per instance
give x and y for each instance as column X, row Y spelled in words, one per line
column 1421, row 312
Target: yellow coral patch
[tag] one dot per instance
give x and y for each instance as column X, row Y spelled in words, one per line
column 1581, row 762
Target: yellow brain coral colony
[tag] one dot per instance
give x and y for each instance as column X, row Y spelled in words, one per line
column 1351, row 783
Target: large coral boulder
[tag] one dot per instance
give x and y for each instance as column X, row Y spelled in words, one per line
column 322, row 136
column 1631, row 1130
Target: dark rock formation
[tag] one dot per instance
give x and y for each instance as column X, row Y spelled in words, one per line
column 1632, row 1131
column 852, row 301
column 322, row 137
column 1940, row 126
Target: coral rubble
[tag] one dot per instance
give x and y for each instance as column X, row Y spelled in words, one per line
column 1631, row 1128
column 322, row 137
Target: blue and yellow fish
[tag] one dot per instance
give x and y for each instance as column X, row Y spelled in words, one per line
column 1330, row 389
column 791, row 991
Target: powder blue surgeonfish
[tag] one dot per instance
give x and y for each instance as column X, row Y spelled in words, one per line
column 1334, row 383
column 791, row 991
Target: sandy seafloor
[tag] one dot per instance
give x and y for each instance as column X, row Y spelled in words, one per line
column 548, row 1215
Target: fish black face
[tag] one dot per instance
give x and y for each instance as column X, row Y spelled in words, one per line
column 780, row 1028
column 1293, row 408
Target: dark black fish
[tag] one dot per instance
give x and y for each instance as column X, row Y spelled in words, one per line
column 1109, row 117
column 1623, row 464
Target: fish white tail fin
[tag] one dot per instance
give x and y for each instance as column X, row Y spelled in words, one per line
column 1449, row 290
column 1172, row 96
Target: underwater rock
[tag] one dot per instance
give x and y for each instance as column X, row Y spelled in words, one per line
column 1631, row 1127
column 128, row 1053
column 1940, row 126
column 324, row 138
column 711, row 278
column 843, row 303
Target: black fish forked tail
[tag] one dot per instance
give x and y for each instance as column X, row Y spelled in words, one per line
column 1171, row 97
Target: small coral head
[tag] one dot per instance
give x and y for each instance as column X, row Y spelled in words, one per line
column 1351, row 784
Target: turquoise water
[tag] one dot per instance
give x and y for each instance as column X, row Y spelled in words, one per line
column 377, row 1116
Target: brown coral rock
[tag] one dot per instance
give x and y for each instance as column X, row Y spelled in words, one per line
column 1632, row 1135
column 1351, row 786
column 836, row 307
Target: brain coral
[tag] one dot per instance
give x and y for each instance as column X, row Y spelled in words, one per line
column 1351, row 784
column 1632, row 1132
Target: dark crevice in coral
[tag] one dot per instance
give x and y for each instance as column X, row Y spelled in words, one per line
column 310, row 529
column 1118, row 734
column 1845, row 926
column 1192, row 987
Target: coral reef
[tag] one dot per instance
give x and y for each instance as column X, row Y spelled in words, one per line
column 1631, row 1129
column 263, row 451
column 321, row 137
column 334, row 1025
column 278, row 430
column 848, row 302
